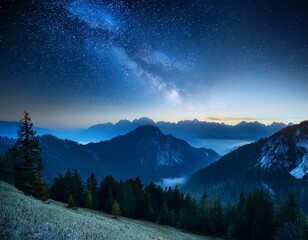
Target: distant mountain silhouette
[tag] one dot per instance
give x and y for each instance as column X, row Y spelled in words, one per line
column 145, row 152
column 186, row 130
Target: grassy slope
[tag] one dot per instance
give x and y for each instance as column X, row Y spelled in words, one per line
column 23, row 217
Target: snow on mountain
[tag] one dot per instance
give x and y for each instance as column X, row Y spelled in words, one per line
column 274, row 151
column 287, row 150
column 301, row 138
column 166, row 154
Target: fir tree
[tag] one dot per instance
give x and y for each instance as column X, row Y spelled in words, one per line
column 92, row 184
column 92, row 187
column 29, row 166
column 115, row 210
column 89, row 200
column 163, row 215
column 189, row 215
column 105, row 193
column 260, row 215
column 148, row 208
column 171, row 218
column 288, row 212
column 71, row 203
column 216, row 224
column 131, row 201
column 69, row 184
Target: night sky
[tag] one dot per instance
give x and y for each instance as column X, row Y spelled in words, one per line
column 74, row 63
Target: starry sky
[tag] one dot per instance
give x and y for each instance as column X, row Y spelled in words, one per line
column 74, row 63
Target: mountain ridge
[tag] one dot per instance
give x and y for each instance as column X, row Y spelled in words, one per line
column 145, row 152
column 246, row 169
column 185, row 129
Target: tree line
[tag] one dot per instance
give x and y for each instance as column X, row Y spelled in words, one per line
column 254, row 216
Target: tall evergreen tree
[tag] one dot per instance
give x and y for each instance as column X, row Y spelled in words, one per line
column 115, row 210
column 288, row 211
column 92, row 184
column 260, row 215
column 216, row 215
column 68, row 185
column 163, row 215
column 189, row 215
column 89, row 200
column 241, row 223
column 29, row 166
column 106, row 193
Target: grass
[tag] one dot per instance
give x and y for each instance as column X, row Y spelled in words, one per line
column 23, row 217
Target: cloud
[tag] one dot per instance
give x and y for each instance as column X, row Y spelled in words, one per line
column 171, row 182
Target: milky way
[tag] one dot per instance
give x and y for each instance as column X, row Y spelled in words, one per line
column 162, row 59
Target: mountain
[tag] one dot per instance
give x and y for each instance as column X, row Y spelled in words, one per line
column 145, row 152
column 189, row 129
column 220, row 137
column 277, row 163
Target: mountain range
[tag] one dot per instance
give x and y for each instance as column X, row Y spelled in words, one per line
column 278, row 163
column 144, row 152
column 217, row 136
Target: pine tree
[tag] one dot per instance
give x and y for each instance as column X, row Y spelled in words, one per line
column 171, row 218
column 89, row 200
column 148, row 209
column 92, row 187
column 289, row 211
column 77, row 188
column 216, row 224
column 189, row 215
column 131, row 201
column 204, row 207
column 105, row 194
column 260, row 216
column 29, row 166
column 163, row 215
column 115, row 210
column 241, row 222
column 71, row 203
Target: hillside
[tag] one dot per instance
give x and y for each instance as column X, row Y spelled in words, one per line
column 278, row 164
column 23, row 217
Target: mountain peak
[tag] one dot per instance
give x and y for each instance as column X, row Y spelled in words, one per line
column 147, row 130
column 123, row 122
column 143, row 121
column 287, row 150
